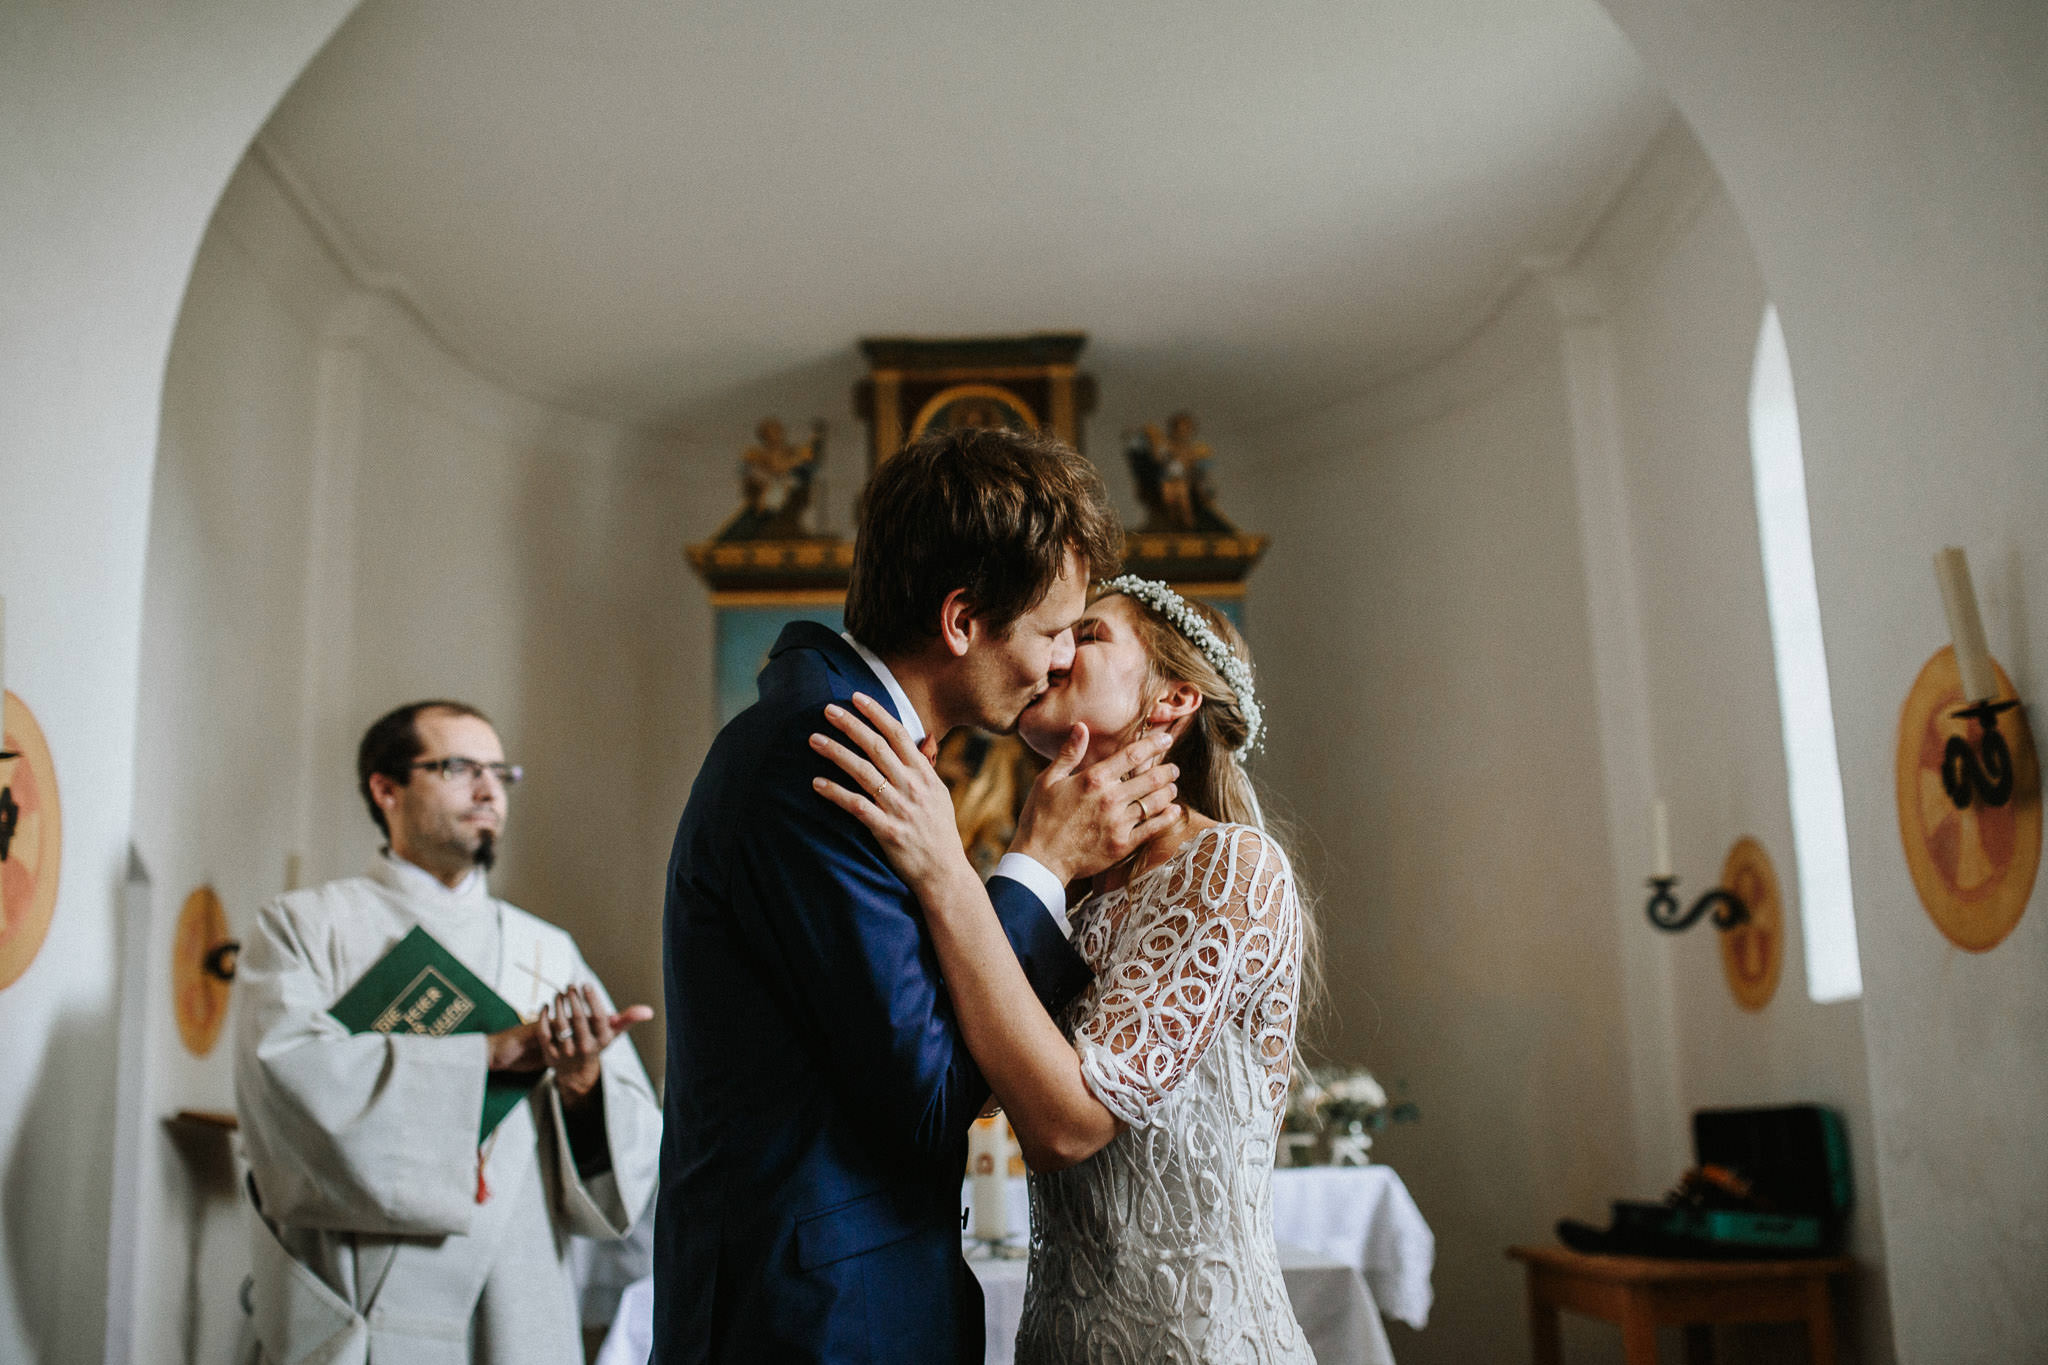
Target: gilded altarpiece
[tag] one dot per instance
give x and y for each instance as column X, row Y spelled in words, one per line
column 764, row 571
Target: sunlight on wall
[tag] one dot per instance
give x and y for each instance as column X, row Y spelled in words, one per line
column 1820, row 834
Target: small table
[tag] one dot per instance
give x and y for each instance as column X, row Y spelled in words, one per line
column 1643, row 1293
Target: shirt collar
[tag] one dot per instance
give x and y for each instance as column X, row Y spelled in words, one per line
column 417, row 881
column 905, row 712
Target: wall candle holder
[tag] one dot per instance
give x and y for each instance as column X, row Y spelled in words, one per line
column 1966, row 776
column 1973, row 860
column 1724, row 905
column 1983, row 774
column 222, row 959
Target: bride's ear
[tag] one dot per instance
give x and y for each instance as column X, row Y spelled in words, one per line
column 1173, row 708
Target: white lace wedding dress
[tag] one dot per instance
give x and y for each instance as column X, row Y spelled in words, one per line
column 1160, row 1246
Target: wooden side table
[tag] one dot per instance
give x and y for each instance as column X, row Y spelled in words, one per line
column 1641, row 1294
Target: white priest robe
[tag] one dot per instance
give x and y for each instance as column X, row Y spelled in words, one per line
column 372, row 1247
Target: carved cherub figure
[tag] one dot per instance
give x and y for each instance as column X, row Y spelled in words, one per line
column 1172, row 471
column 775, row 479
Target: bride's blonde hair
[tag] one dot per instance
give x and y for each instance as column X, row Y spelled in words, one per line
column 1212, row 779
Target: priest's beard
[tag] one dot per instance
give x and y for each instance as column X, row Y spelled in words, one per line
column 486, row 849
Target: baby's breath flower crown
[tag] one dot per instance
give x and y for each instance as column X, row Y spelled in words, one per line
column 1235, row 670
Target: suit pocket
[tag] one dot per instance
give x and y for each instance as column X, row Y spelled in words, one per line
column 857, row 1226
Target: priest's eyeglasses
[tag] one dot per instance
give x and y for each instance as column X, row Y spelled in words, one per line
column 470, row 769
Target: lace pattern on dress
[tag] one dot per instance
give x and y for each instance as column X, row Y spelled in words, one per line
column 1211, row 931
column 1160, row 1246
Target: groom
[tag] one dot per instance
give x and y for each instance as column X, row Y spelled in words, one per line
column 819, row 1094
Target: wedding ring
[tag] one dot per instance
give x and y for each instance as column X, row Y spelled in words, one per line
column 563, row 1035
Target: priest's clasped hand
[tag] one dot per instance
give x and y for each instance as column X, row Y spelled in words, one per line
column 570, row 1037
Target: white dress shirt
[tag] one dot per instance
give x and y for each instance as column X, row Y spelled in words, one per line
column 1035, row 876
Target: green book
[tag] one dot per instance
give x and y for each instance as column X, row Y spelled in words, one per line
column 419, row 987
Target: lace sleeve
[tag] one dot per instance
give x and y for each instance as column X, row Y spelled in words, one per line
column 1214, row 937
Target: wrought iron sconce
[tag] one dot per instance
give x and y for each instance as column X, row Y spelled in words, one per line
column 1984, row 775
column 10, row 811
column 1725, row 906
column 222, row 959
column 1964, row 775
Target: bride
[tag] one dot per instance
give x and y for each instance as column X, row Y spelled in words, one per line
column 1149, row 1111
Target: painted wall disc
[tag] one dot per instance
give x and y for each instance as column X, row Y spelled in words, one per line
column 1974, row 868
column 1753, row 952
column 32, row 830
column 199, row 994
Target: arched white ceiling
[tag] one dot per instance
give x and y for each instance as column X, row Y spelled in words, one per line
column 640, row 206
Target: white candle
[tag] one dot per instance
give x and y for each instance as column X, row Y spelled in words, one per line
column 988, row 1162
column 1965, row 626
column 1660, row 839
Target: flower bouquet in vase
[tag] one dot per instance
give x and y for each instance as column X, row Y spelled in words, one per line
column 1332, row 1114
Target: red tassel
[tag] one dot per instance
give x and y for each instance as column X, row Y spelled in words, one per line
column 483, row 1190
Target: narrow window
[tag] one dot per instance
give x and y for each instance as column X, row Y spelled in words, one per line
column 1820, row 832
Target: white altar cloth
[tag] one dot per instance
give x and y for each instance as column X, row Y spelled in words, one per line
column 1364, row 1217
column 1360, row 1216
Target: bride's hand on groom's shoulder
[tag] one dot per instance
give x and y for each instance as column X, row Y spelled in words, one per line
column 895, row 792
column 1077, row 821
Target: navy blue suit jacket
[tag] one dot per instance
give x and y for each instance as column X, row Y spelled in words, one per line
column 819, row 1093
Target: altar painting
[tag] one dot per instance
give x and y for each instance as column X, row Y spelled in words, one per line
column 746, row 634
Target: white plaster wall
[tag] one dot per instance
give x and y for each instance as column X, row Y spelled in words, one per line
column 219, row 708
column 1463, row 714
column 1887, row 163
column 1420, row 630
column 539, row 574
column 123, row 123
column 1685, row 317
column 345, row 519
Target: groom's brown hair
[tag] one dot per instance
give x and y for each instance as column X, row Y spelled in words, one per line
column 990, row 511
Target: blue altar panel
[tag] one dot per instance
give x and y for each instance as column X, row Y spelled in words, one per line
column 745, row 635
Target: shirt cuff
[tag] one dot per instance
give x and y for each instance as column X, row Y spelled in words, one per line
column 1038, row 879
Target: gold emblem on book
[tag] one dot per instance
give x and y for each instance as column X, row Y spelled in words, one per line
column 429, row 1004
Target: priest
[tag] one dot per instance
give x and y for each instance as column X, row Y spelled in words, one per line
column 387, row 1229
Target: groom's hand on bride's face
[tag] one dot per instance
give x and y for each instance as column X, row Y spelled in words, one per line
column 1078, row 821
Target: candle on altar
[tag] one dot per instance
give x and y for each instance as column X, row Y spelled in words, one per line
column 1660, row 839
column 1965, row 626
column 988, row 1166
